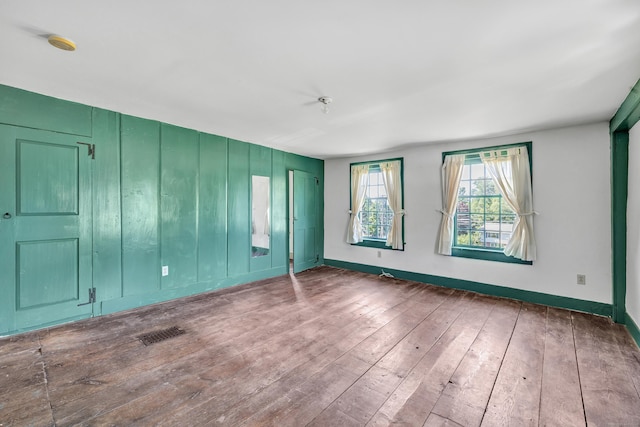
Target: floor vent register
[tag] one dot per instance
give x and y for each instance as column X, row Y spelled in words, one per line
column 161, row 335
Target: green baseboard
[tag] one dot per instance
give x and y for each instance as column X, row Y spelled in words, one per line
column 632, row 327
column 598, row 308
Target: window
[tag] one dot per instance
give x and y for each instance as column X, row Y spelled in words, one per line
column 484, row 221
column 377, row 215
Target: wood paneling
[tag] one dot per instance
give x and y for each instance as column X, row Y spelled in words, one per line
column 327, row 347
column 212, row 207
column 107, row 218
column 22, row 108
column 179, row 205
column 158, row 195
column 140, row 162
column 239, row 211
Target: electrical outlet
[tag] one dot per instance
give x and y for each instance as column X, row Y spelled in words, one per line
column 379, row 254
column 582, row 279
column 165, row 270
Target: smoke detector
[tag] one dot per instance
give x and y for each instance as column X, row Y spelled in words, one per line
column 61, row 42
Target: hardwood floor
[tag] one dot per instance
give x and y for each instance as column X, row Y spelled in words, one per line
column 327, row 347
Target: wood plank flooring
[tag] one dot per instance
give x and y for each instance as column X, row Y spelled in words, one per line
column 327, row 347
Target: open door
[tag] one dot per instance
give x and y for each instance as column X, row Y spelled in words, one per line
column 45, row 228
column 305, row 225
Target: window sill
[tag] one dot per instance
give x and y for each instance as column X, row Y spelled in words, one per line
column 371, row 243
column 486, row 255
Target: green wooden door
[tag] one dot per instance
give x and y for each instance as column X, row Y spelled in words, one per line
column 45, row 228
column 305, row 225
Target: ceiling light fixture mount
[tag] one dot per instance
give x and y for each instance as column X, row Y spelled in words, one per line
column 61, row 42
column 325, row 101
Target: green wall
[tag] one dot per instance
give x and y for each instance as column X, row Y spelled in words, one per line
column 165, row 195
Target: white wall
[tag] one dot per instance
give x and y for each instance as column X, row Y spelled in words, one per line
column 633, row 227
column 571, row 190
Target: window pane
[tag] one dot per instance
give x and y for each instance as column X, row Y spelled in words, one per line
column 492, row 226
column 464, row 221
column 477, row 222
column 506, row 210
column 465, row 188
column 463, row 206
column 477, row 170
column 476, row 205
column 492, row 239
column 376, row 218
column 463, row 238
column 492, row 208
column 466, row 172
column 477, row 238
column 504, row 239
column 490, row 187
column 477, row 187
column 508, row 219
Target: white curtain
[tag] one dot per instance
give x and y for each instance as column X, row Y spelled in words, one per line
column 359, row 176
column 392, row 177
column 451, row 174
column 511, row 172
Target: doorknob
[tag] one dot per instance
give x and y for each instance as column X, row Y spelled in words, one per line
column 6, row 215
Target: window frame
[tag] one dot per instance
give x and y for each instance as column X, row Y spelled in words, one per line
column 380, row 243
column 485, row 253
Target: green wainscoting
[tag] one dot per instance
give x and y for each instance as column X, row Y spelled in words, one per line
column 140, row 200
column 107, row 212
column 212, row 208
column 279, row 216
column 31, row 110
column 239, row 214
column 179, row 197
column 482, row 288
column 156, row 195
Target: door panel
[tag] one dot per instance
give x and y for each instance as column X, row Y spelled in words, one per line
column 45, row 236
column 47, row 272
column 305, row 211
column 47, row 187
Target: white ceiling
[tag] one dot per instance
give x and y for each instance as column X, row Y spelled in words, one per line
column 400, row 72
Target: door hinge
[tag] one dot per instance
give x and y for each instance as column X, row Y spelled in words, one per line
column 317, row 258
column 91, row 149
column 92, row 297
column 317, row 180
